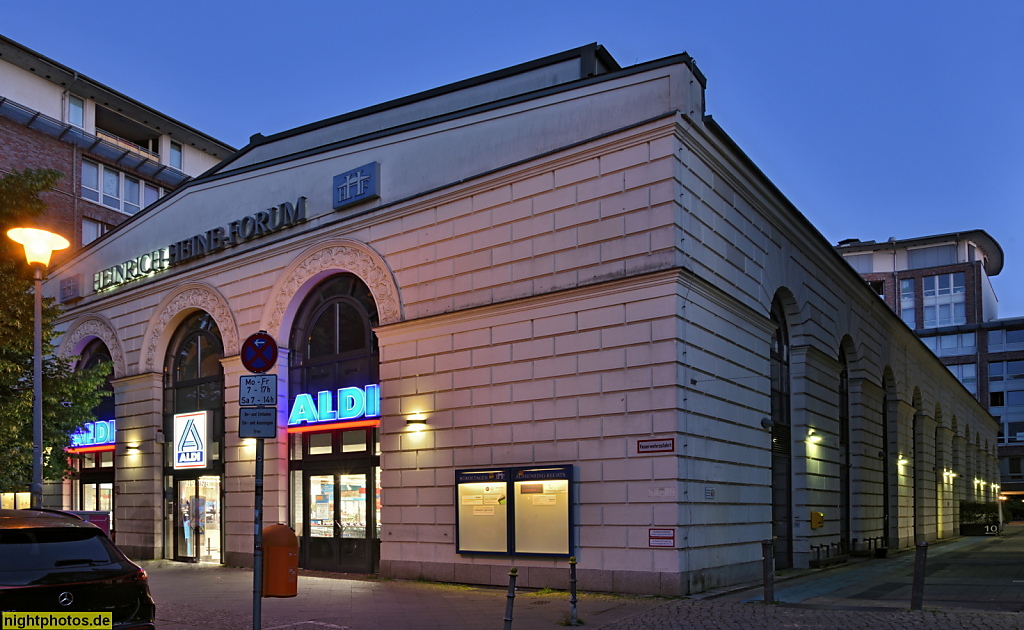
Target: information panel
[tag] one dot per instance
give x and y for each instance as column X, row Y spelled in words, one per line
column 482, row 511
column 542, row 510
column 523, row 510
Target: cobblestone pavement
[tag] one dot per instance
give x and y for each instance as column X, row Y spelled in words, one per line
column 972, row 583
column 725, row 615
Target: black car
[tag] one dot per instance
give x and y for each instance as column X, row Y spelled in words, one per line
column 55, row 562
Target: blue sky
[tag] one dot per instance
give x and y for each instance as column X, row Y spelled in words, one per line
column 878, row 118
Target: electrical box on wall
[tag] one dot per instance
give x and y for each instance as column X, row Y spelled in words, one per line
column 817, row 520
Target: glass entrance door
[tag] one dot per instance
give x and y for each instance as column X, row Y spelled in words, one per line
column 341, row 523
column 197, row 520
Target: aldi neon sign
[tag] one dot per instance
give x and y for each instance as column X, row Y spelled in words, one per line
column 348, row 407
column 93, row 437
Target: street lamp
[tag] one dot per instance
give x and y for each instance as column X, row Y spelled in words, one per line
column 38, row 244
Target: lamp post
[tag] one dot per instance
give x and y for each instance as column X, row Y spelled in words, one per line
column 38, row 244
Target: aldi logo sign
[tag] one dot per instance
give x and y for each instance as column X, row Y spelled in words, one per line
column 190, row 440
column 93, row 436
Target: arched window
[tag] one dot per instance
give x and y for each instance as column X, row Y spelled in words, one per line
column 332, row 343
column 782, row 528
column 194, row 461
column 845, row 491
column 96, row 469
column 335, row 467
column 193, row 373
column 96, row 352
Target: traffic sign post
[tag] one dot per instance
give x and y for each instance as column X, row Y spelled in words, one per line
column 257, row 418
column 259, row 352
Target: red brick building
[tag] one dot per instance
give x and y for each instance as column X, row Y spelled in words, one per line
column 117, row 155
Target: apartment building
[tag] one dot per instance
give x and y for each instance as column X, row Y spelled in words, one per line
column 941, row 287
column 117, row 154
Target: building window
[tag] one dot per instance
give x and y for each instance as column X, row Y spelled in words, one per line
column 92, row 230
column 878, row 286
column 76, row 111
column 943, row 300
column 861, row 263
column 966, row 373
column 952, row 345
column 150, row 194
column 924, row 257
column 1006, row 397
column 1005, row 340
column 907, row 311
column 115, row 189
column 176, row 155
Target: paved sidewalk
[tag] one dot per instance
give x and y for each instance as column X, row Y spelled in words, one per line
column 197, row 597
column 981, row 573
column 972, row 583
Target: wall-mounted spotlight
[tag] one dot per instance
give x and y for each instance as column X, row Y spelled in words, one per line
column 133, row 448
column 767, row 424
column 813, row 437
column 902, row 461
column 416, row 422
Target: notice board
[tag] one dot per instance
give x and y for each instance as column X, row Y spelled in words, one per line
column 521, row 510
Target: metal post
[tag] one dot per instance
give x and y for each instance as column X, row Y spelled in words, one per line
column 768, row 570
column 511, row 597
column 917, row 591
column 572, row 590
column 37, row 394
column 257, row 552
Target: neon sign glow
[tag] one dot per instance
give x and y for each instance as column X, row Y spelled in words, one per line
column 93, row 437
column 349, row 407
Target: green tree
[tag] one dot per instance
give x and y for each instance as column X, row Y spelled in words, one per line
column 68, row 396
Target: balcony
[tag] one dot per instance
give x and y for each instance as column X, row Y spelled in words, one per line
column 122, row 152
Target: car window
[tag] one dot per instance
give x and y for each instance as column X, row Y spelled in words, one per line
column 27, row 549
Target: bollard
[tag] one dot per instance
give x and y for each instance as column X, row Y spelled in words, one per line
column 511, row 598
column 917, row 591
column 768, row 571
column 572, row 590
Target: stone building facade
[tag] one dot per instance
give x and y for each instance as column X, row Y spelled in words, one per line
column 595, row 329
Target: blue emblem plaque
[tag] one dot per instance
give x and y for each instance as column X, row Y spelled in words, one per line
column 358, row 185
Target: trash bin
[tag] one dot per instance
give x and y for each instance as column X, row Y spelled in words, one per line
column 280, row 561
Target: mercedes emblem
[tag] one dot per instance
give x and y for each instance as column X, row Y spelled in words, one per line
column 65, row 599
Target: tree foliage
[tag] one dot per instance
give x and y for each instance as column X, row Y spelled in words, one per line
column 69, row 396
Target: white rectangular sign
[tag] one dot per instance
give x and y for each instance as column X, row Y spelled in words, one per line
column 661, row 537
column 190, row 434
column 257, row 423
column 258, row 390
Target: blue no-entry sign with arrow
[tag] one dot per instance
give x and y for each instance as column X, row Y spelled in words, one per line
column 259, row 352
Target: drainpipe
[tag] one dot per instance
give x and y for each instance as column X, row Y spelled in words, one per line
column 897, row 297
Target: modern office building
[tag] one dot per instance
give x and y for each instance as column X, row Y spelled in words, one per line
column 550, row 311
column 117, row 156
column 941, row 287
